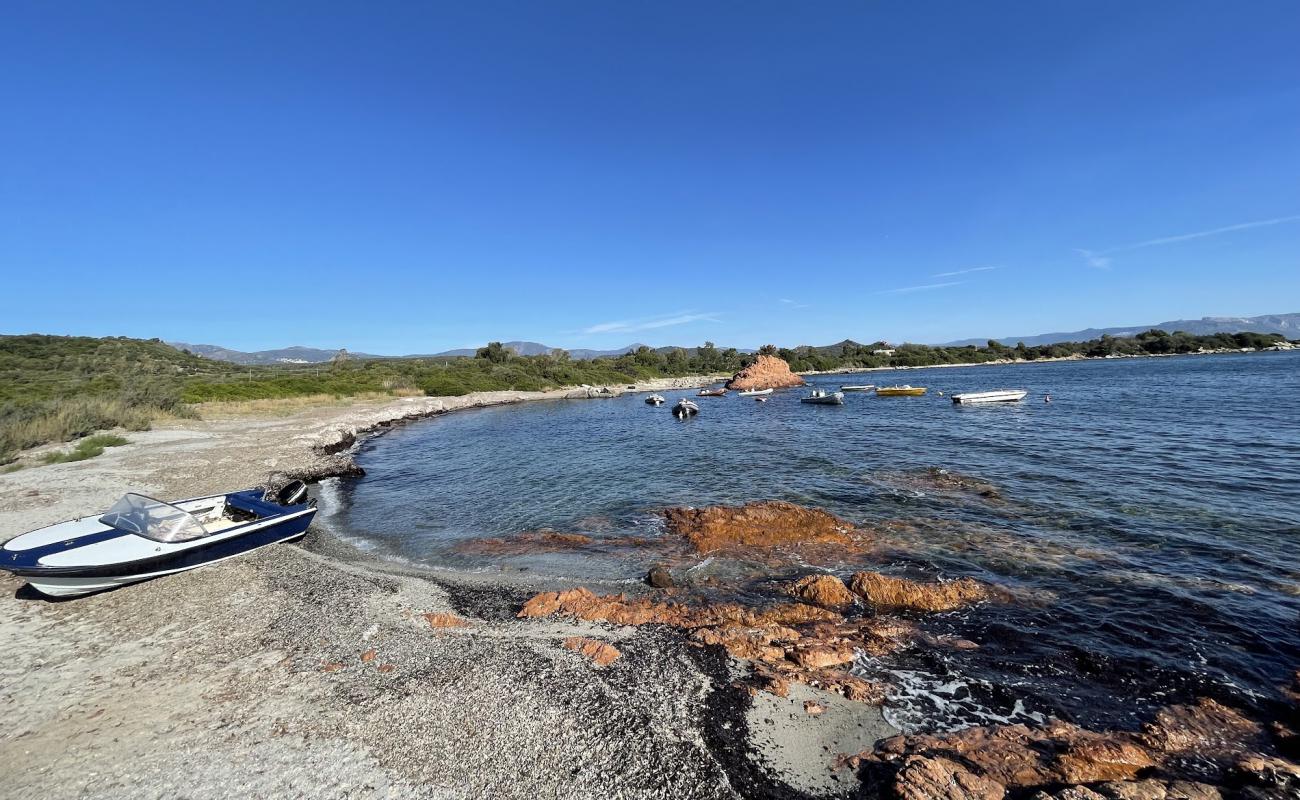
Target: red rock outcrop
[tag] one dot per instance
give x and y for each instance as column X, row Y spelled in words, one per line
column 889, row 592
column 768, row 372
column 826, row 591
column 602, row 653
column 1059, row 756
column 621, row 610
column 762, row 524
column 790, row 642
column 938, row 778
column 1019, row 757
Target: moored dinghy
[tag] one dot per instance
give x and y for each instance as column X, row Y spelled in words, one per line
column 865, row 387
column 995, row 396
column 754, row 392
column 900, row 391
column 141, row 538
column 823, row 398
column 655, row 400
column 719, row 392
column 685, row 408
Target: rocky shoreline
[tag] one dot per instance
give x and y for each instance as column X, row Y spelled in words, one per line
column 316, row 670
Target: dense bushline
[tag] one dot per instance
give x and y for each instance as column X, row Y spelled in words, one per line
column 60, row 388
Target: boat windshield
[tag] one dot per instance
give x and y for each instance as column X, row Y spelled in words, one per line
column 153, row 519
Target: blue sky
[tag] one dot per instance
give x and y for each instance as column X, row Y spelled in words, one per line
column 412, row 177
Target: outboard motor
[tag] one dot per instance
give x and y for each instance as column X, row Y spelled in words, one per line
column 293, row 493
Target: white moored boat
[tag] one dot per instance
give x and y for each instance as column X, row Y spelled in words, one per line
column 996, row 396
column 685, row 408
column 754, row 392
column 823, row 398
column 141, row 538
column 866, row 387
column 655, row 400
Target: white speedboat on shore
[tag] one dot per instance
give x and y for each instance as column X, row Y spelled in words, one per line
column 754, row 392
column 823, row 398
column 141, row 538
column 996, row 396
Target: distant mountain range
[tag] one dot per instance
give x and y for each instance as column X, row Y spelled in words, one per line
column 313, row 355
column 1286, row 324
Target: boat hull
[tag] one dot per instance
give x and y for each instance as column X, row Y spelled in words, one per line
column 836, row 399
column 64, row 579
column 909, row 392
column 755, row 393
column 972, row 398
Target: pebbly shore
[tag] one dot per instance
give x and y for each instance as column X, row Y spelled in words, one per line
column 314, row 670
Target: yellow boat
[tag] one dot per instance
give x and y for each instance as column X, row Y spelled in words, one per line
column 900, row 391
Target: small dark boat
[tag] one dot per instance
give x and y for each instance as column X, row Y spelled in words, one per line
column 655, row 400
column 685, row 408
column 141, row 538
column 719, row 392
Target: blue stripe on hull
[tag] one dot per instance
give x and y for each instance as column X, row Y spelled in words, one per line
column 172, row 562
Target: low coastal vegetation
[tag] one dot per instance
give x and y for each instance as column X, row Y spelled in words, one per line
column 89, row 447
column 62, row 388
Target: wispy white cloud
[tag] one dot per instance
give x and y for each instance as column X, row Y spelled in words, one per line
column 652, row 323
column 1101, row 260
column 922, row 288
column 1262, row 223
column 794, row 303
column 1095, row 260
column 961, row 272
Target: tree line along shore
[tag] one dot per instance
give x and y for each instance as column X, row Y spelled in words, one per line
column 62, row 388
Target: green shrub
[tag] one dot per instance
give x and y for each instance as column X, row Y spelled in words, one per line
column 89, row 447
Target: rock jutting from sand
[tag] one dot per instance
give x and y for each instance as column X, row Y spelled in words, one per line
column 766, row 523
column 886, row 591
column 767, row 372
column 601, row 653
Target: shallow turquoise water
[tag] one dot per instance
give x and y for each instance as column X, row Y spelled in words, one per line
column 1156, row 502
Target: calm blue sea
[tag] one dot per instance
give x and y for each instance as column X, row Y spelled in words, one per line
column 1150, row 515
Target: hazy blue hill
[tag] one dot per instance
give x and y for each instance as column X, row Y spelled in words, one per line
column 1285, row 324
column 285, row 355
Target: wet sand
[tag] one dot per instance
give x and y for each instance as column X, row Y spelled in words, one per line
column 308, row 670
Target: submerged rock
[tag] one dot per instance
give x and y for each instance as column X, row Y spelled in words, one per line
column 767, row 372
column 890, row 592
column 826, row 591
column 762, row 524
column 602, row 653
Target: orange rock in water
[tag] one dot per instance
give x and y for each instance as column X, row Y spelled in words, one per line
column 368, row 656
column 385, row 668
column 767, row 372
column 602, row 653
column 438, row 619
column 826, row 591
column 762, row 524
column 891, row 592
